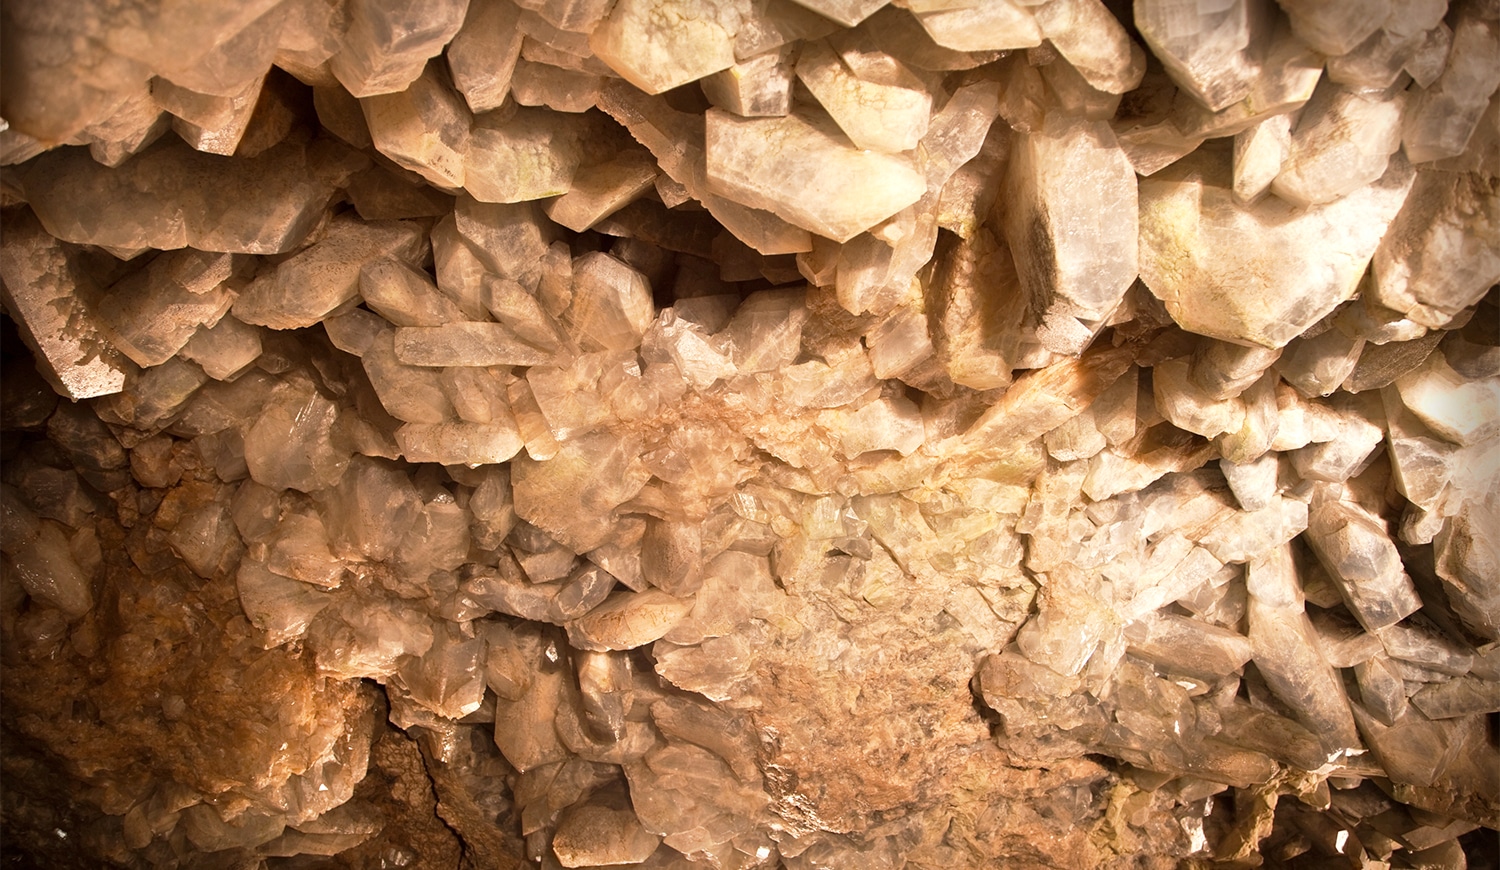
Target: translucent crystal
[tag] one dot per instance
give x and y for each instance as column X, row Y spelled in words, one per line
column 981, row 26
column 812, row 177
column 600, row 190
column 530, row 155
column 482, row 56
column 1445, row 221
column 312, row 284
column 1074, row 261
column 1342, row 142
column 1089, row 36
column 880, row 105
column 389, row 42
column 41, row 282
column 1202, row 45
column 261, row 205
column 1335, row 30
column 660, row 44
column 1442, row 118
column 1286, row 653
column 291, row 443
column 1193, row 239
column 759, row 86
column 423, row 127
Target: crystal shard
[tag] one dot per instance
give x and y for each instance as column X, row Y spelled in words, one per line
column 1363, row 561
column 424, row 128
column 869, row 107
column 996, row 26
column 41, row 281
column 530, row 155
column 482, row 56
column 1443, row 117
column 1194, row 254
column 1202, row 46
column 1441, row 252
column 805, row 171
column 389, row 42
column 660, row 44
column 261, row 205
column 1342, row 142
column 312, row 284
column 1075, row 260
column 1335, row 30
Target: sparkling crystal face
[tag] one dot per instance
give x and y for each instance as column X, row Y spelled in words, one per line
column 809, row 434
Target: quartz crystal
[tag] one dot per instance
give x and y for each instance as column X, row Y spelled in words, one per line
column 750, row 433
column 1195, row 244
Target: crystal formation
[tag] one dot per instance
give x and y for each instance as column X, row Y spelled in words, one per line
column 750, row 433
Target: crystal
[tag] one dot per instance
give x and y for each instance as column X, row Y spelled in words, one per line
column 261, row 205
column 1445, row 220
column 318, row 280
column 41, row 559
column 1259, row 154
column 1286, row 653
column 506, row 238
column 482, row 56
column 601, row 832
column 658, row 45
column 1443, row 117
column 1464, row 696
column 151, row 314
column 869, row 186
column 461, row 443
column 1188, row 646
column 1342, row 142
column 1201, row 45
column 137, row 123
column 599, row 190
column 225, row 349
column 1193, row 236
column 209, row 123
column 611, row 303
column 41, row 282
column 869, row 101
column 1460, row 411
column 1335, row 30
column 627, row 620
column 981, row 26
column 1089, row 36
column 413, row 394
column 532, row 154
column 1420, row 642
column 759, row 86
column 291, row 443
column 593, row 470
column 1074, row 261
column 1283, row 72
column 463, row 344
column 279, row 606
column 968, row 313
column 424, row 128
column 1354, row 548
column 389, row 42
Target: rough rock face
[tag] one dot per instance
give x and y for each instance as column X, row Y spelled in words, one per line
column 816, row 434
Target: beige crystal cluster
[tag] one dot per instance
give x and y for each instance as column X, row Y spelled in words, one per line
column 750, row 433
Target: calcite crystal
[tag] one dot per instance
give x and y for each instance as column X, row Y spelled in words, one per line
column 750, row 433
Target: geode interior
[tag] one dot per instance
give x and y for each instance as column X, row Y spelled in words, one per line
column 750, row 433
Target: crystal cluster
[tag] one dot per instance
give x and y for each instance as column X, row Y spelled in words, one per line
column 751, row 433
